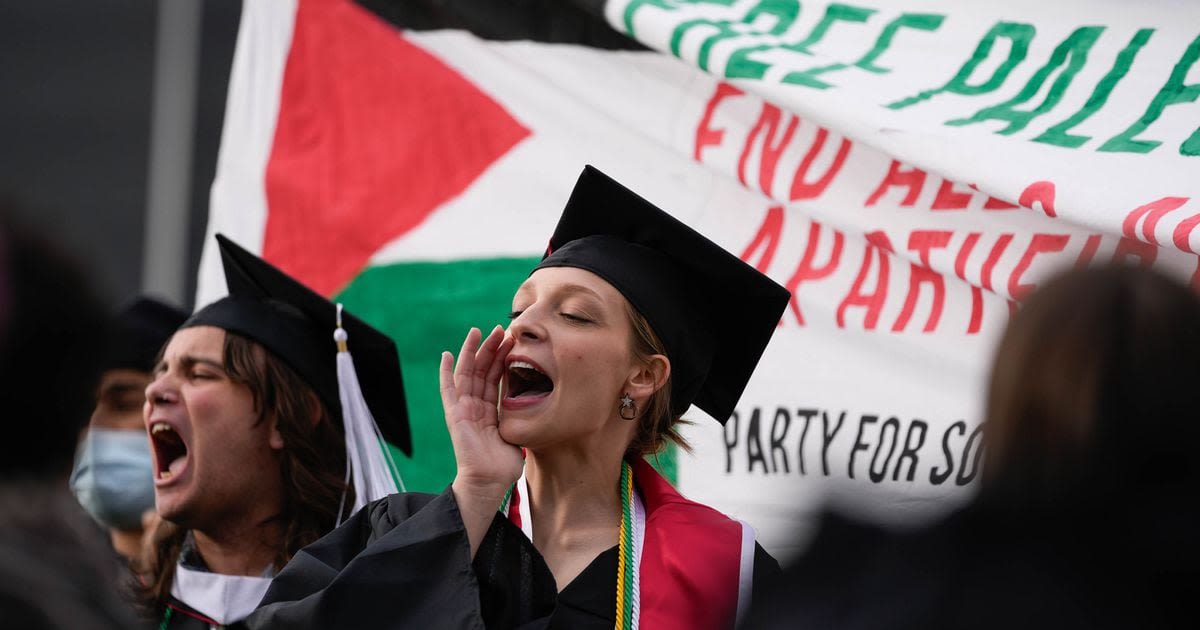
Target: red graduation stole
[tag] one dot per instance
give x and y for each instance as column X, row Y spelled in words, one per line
column 696, row 563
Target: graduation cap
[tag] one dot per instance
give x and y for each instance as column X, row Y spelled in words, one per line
column 138, row 331
column 713, row 312
column 313, row 336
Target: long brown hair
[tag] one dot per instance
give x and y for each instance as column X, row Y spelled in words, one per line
column 656, row 424
column 1093, row 391
column 313, row 462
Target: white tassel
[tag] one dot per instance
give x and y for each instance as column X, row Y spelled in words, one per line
column 368, row 459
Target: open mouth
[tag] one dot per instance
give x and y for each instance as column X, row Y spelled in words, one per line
column 526, row 381
column 170, row 451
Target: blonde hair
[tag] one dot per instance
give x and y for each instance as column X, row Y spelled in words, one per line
column 657, row 425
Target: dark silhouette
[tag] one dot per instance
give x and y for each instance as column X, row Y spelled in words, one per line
column 1084, row 515
column 56, row 567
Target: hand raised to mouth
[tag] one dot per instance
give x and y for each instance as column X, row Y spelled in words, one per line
column 487, row 465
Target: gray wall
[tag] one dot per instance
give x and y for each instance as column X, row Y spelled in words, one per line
column 76, row 86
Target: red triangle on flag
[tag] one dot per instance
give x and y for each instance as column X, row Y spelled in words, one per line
column 373, row 134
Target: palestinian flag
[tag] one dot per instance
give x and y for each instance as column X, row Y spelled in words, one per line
column 909, row 172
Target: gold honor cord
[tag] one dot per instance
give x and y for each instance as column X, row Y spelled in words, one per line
column 627, row 567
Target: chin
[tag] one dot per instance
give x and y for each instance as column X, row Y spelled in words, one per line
column 529, row 429
column 173, row 506
column 169, row 511
column 516, row 430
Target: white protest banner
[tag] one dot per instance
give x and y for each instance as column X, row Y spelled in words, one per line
column 909, row 170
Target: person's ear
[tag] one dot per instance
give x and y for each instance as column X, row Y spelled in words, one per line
column 648, row 378
column 314, row 406
column 275, row 440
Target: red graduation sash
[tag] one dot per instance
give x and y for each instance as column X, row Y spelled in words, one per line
column 696, row 563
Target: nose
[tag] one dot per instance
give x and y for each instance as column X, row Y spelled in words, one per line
column 161, row 391
column 527, row 326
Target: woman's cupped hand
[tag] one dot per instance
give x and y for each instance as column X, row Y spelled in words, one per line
column 470, row 387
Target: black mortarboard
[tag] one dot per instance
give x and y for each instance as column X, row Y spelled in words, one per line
column 713, row 312
column 138, row 331
column 297, row 325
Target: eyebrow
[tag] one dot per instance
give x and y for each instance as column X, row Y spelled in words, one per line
column 568, row 288
column 579, row 288
column 188, row 360
column 120, row 388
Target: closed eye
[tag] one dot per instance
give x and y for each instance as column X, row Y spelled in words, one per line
column 575, row 318
column 515, row 314
column 201, row 368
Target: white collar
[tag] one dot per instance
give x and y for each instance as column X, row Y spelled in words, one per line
column 223, row 598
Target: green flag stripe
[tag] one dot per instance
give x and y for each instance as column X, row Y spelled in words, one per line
column 427, row 308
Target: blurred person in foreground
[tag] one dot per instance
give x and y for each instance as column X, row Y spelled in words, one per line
column 1085, row 514
column 113, row 477
column 56, row 568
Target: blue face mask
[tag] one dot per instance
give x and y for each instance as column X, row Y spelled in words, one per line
column 114, row 478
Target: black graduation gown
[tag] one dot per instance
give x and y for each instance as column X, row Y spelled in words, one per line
column 404, row 562
column 589, row 601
